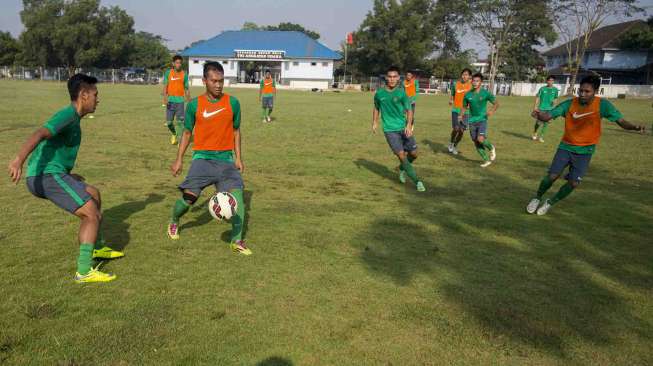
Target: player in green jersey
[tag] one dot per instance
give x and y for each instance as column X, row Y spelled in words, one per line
column 175, row 92
column 394, row 106
column 544, row 102
column 476, row 101
column 53, row 150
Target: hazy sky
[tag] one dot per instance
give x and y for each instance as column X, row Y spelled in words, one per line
column 182, row 22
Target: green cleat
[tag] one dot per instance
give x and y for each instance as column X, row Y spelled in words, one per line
column 420, row 187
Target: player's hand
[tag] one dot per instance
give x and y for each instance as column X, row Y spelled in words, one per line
column 460, row 118
column 374, row 127
column 490, row 113
column 240, row 166
column 408, row 131
column 165, row 101
column 176, row 168
column 450, row 102
column 15, row 170
column 77, row 177
column 535, row 114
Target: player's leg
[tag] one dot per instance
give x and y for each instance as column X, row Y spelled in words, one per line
column 543, row 128
column 454, row 130
column 270, row 107
column 561, row 160
column 474, row 130
column 198, row 178
column 230, row 180
column 535, row 128
column 101, row 250
column 180, row 114
column 579, row 164
column 406, row 152
column 170, row 115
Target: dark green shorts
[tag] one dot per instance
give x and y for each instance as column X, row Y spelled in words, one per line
column 62, row 189
column 204, row 172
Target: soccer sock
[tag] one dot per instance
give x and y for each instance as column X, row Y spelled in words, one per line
column 486, row 144
column 180, row 129
column 564, row 191
column 543, row 129
column 454, row 136
column 264, row 112
column 171, row 127
column 545, row 184
column 481, row 152
column 537, row 125
column 179, row 209
column 459, row 137
column 410, row 171
column 85, row 258
column 238, row 220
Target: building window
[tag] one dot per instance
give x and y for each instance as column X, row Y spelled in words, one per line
column 196, row 61
column 325, row 64
column 225, row 62
column 295, row 63
column 233, row 64
column 313, row 63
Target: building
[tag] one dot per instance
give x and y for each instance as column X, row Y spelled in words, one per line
column 294, row 59
column 482, row 66
column 604, row 57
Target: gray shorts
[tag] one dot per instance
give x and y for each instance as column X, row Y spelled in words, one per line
column 399, row 142
column 174, row 109
column 477, row 129
column 456, row 124
column 267, row 102
column 577, row 163
column 62, row 189
column 203, row 173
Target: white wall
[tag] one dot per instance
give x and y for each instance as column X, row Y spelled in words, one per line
column 196, row 69
column 303, row 69
column 608, row 91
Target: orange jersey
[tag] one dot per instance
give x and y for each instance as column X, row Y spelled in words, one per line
column 268, row 86
column 214, row 127
column 583, row 123
column 175, row 86
column 459, row 91
column 409, row 86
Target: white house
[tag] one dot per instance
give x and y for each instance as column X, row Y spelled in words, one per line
column 294, row 59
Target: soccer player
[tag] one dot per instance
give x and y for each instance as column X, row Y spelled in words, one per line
column 266, row 94
column 544, row 101
column 175, row 91
column 476, row 100
column 393, row 104
column 53, row 150
column 213, row 119
column 583, row 116
column 458, row 91
column 411, row 86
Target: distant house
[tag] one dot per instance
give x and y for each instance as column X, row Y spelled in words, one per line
column 482, row 66
column 604, row 57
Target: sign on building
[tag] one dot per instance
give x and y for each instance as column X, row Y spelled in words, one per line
column 260, row 54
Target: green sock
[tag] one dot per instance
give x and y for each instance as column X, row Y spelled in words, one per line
column 408, row 168
column 410, row 159
column 99, row 242
column 171, row 127
column 265, row 113
column 537, row 125
column 180, row 129
column 85, row 258
column 179, row 209
column 564, row 191
column 543, row 129
column 486, row 144
column 481, row 152
column 545, row 184
column 238, row 221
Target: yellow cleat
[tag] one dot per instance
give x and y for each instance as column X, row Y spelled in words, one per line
column 173, row 140
column 107, row 253
column 94, row 276
column 173, row 231
column 239, row 247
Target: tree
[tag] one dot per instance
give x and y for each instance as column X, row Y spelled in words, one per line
column 250, row 26
column 9, row 49
column 451, row 66
column 449, row 17
column 39, row 18
column 286, row 26
column 118, row 40
column 578, row 19
column 638, row 38
column 149, row 51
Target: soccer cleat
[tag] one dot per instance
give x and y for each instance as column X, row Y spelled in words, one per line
column 544, row 208
column 541, row 139
column 532, row 205
column 239, row 247
column 265, row 120
column 450, row 147
column 493, row 153
column 173, row 139
column 420, row 187
column 402, row 176
column 454, row 150
column 486, row 164
column 269, row 119
column 107, row 253
column 173, row 231
column 94, row 276
column 534, row 137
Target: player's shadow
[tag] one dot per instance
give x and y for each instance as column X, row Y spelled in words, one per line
column 438, row 148
column 516, row 134
column 275, row 361
column 376, row 168
column 114, row 220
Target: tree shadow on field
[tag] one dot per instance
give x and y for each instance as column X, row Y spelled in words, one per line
column 275, row 361
column 540, row 282
column 437, row 148
column 114, row 220
column 516, row 134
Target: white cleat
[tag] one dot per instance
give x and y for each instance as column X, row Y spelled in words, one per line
column 544, row 208
column 493, row 153
column 450, row 147
column 541, row 139
column 454, row 150
column 534, row 137
column 532, row 205
column 486, row 164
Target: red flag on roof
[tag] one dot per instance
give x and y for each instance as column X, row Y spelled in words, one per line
column 350, row 38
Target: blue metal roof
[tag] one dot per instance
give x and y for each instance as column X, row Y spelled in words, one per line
column 295, row 44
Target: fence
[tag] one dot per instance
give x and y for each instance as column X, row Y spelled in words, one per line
column 131, row 75
column 608, row 91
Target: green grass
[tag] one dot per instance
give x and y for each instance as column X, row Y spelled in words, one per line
column 349, row 266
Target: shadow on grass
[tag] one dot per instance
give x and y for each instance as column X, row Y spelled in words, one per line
column 275, row 361
column 114, row 220
column 516, row 134
column 541, row 282
column 438, row 148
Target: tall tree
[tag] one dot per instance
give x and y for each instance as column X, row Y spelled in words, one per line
column 117, row 42
column 285, row 26
column 9, row 49
column 39, row 18
column 449, row 17
column 638, row 38
column 149, row 51
column 578, row 19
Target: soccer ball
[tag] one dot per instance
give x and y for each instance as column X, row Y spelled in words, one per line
column 223, row 206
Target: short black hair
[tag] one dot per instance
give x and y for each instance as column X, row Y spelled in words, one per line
column 267, row 72
column 411, row 71
column 177, row 57
column 478, row 75
column 466, row 70
column 78, row 82
column 550, row 77
column 212, row 65
column 392, row 68
column 594, row 80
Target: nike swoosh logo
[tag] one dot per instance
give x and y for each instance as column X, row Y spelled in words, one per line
column 268, row 83
column 207, row 115
column 577, row 116
column 460, row 91
column 173, row 79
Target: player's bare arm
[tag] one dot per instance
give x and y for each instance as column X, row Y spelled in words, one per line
column 183, row 146
column 237, row 151
column 16, row 165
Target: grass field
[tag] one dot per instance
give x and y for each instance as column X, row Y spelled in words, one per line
column 349, row 267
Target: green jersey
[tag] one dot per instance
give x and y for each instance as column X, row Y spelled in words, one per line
column 173, row 98
column 547, row 97
column 607, row 111
column 189, row 124
column 477, row 104
column 393, row 105
column 58, row 153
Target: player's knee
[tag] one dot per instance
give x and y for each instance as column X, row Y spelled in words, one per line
column 94, row 192
column 413, row 154
column 189, row 197
column 481, row 139
column 89, row 212
column 554, row 177
column 574, row 183
column 401, row 155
